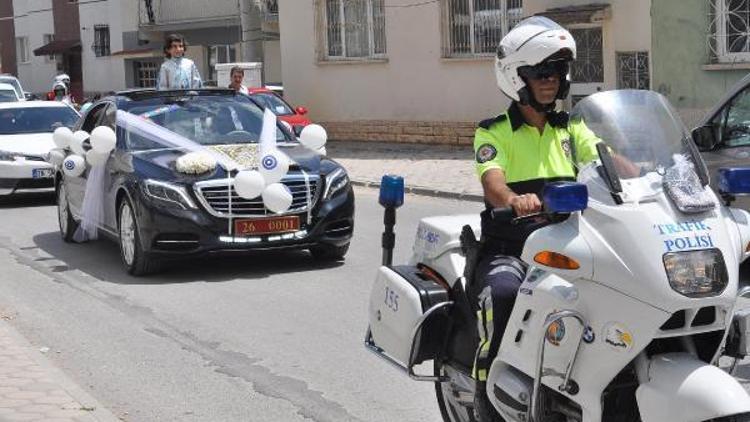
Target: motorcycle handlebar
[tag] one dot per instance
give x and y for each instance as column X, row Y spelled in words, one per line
column 503, row 214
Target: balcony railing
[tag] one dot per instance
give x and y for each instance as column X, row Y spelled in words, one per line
column 175, row 12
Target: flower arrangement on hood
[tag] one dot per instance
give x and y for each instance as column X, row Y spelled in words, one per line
column 195, row 163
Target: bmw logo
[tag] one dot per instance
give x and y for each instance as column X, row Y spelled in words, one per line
column 70, row 165
column 269, row 162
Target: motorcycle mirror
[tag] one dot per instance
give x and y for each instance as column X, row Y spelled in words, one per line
column 391, row 191
column 734, row 180
column 565, row 197
column 704, row 137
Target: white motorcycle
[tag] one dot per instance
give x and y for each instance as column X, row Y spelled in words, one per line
column 629, row 301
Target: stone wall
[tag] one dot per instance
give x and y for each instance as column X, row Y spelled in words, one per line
column 420, row 132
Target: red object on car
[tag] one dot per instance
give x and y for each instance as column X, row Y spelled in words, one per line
column 295, row 116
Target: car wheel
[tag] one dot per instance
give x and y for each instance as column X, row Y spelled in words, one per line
column 329, row 252
column 68, row 225
column 136, row 260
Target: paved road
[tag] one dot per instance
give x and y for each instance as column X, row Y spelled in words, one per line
column 260, row 338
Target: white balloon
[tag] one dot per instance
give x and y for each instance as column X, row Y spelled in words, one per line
column 56, row 157
column 96, row 158
column 103, row 139
column 313, row 136
column 76, row 142
column 74, row 165
column 277, row 197
column 62, row 136
column 249, row 184
column 274, row 166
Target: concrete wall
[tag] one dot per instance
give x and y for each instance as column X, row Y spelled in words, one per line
column 272, row 61
column 413, row 84
column 33, row 19
column 102, row 74
column 680, row 52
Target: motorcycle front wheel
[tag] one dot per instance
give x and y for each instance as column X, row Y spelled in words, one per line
column 745, row 417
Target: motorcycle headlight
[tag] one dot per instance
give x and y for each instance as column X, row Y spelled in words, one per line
column 335, row 181
column 169, row 193
column 7, row 156
column 700, row 273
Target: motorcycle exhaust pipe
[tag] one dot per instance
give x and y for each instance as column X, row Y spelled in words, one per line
column 391, row 197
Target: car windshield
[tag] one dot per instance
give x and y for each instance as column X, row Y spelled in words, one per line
column 273, row 103
column 206, row 120
column 7, row 96
column 35, row 119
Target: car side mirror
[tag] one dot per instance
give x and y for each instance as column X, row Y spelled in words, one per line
column 704, row 137
column 300, row 110
column 29, row 96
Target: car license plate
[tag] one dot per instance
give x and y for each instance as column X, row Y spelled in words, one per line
column 41, row 173
column 266, row 225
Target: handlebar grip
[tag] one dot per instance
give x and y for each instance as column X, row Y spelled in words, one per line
column 505, row 214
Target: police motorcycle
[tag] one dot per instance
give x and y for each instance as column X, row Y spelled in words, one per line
column 630, row 300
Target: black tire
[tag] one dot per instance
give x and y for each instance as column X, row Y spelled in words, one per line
column 452, row 410
column 65, row 220
column 329, row 252
column 137, row 262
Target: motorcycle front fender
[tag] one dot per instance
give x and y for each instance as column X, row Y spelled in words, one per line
column 681, row 388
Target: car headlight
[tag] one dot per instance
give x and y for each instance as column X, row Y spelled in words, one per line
column 167, row 192
column 335, row 181
column 7, row 156
column 700, row 273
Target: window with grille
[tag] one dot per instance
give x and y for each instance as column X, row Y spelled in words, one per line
column 48, row 38
column 146, row 74
column 220, row 54
column 632, row 70
column 101, row 40
column 22, row 50
column 475, row 27
column 729, row 36
column 588, row 67
column 353, row 29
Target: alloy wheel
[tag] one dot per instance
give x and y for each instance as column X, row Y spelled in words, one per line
column 127, row 234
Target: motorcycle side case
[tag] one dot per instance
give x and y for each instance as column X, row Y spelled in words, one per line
column 400, row 297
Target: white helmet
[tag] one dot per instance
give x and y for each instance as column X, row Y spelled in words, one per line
column 534, row 40
column 63, row 77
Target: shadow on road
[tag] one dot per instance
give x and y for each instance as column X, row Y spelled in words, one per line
column 101, row 259
column 24, row 200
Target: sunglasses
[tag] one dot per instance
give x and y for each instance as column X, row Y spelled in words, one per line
column 545, row 70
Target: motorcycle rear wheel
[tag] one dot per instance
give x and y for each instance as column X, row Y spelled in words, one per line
column 455, row 397
column 745, row 417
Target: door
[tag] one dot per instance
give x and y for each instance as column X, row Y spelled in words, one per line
column 77, row 185
column 732, row 129
column 587, row 71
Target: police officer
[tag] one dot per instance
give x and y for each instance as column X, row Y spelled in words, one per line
column 516, row 154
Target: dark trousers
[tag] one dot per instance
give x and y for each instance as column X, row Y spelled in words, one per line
column 499, row 276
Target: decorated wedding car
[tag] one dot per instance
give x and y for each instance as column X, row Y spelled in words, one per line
column 173, row 174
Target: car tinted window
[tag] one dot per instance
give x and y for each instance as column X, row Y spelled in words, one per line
column 209, row 120
column 273, row 103
column 736, row 131
column 35, row 119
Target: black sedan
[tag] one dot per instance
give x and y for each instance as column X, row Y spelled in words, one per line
column 158, row 212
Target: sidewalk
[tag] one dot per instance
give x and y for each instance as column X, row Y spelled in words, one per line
column 31, row 389
column 439, row 170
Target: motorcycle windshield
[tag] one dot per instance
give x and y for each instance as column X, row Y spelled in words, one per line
column 643, row 132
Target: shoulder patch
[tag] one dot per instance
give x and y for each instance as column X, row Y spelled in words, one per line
column 486, row 123
column 485, row 152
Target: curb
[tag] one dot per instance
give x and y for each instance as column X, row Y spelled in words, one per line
column 416, row 190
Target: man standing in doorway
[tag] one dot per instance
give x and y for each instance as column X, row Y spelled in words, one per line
column 177, row 72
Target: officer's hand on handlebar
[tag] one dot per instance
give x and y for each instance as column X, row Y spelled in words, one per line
column 526, row 204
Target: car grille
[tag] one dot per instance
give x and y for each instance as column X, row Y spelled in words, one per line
column 213, row 194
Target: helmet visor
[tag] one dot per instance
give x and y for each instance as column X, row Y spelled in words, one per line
column 544, row 70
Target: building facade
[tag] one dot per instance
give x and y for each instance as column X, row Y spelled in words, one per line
column 110, row 45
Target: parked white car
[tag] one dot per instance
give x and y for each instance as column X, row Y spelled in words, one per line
column 26, row 140
column 15, row 83
column 8, row 94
